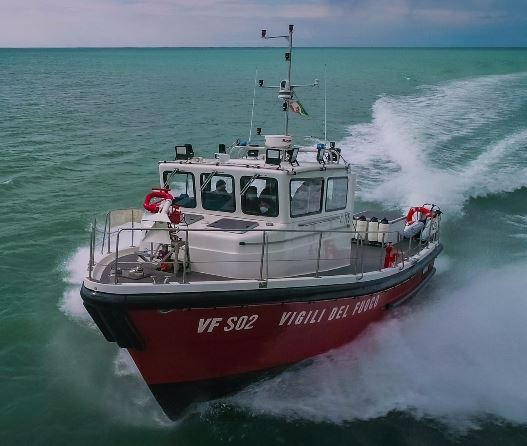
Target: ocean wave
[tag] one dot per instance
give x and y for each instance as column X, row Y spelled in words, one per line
column 75, row 269
column 8, row 181
column 456, row 359
column 443, row 145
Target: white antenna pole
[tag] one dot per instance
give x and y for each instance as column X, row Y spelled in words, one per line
column 325, row 106
column 252, row 111
column 288, row 101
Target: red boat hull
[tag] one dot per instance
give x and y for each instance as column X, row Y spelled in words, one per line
column 198, row 353
column 193, row 352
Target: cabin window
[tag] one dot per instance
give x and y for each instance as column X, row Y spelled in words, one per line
column 306, row 196
column 217, row 192
column 181, row 185
column 260, row 196
column 337, row 194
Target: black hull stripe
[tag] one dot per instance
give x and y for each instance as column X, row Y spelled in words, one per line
column 176, row 398
column 251, row 297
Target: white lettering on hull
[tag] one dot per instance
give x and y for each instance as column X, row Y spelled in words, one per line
column 334, row 313
column 289, row 318
column 235, row 323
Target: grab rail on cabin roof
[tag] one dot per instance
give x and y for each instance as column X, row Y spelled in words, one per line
column 356, row 251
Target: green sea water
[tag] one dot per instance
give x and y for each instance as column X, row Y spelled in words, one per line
column 81, row 132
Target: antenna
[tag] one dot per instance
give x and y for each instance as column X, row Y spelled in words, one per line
column 286, row 89
column 288, row 57
column 252, row 110
column 325, row 106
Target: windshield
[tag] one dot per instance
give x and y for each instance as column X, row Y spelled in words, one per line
column 217, row 192
column 260, row 196
column 306, row 196
column 181, row 185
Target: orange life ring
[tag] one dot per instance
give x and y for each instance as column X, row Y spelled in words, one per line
column 426, row 213
column 156, row 193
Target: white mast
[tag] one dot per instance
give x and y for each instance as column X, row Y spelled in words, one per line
column 286, row 88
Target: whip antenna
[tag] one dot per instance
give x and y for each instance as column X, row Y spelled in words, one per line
column 252, row 111
column 325, row 106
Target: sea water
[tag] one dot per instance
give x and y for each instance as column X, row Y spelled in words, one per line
column 81, row 132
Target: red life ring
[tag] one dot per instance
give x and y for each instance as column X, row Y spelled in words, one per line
column 156, row 193
column 425, row 213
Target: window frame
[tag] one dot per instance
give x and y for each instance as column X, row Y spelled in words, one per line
column 321, row 197
column 206, row 174
column 347, row 190
column 166, row 174
column 277, row 195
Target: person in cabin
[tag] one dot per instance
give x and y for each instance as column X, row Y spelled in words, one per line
column 250, row 201
column 267, row 206
column 220, row 199
column 221, row 187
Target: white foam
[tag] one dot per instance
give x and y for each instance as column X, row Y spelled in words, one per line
column 410, row 152
column 124, row 365
column 457, row 358
column 75, row 269
column 7, row 181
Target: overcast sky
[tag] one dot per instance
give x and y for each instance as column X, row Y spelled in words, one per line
column 65, row 23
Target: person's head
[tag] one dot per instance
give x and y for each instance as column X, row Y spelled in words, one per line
column 251, row 193
column 221, row 186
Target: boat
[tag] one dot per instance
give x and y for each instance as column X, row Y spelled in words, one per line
column 242, row 264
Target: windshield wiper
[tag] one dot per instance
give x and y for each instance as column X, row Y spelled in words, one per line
column 207, row 180
column 169, row 178
column 256, row 175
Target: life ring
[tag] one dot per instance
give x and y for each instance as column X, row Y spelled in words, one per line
column 156, row 193
column 425, row 213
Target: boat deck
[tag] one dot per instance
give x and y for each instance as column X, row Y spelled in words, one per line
column 370, row 259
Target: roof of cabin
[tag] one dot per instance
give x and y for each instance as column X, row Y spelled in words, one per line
column 253, row 163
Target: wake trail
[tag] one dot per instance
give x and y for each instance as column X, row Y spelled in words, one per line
column 456, row 359
column 443, row 145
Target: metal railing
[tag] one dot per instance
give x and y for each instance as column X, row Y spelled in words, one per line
column 117, row 217
column 355, row 260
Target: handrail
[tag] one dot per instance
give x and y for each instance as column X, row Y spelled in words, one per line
column 318, row 254
column 106, row 238
column 356, row 262
column 91, row 262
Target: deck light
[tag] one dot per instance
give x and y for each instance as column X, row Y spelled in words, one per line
column 321, row 148
column 184, row 152
column 293, row 155
column 273, row 156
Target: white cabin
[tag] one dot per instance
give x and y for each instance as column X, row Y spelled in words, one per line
column 261, row 190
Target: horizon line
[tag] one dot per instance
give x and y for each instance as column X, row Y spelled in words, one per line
column 267, row 48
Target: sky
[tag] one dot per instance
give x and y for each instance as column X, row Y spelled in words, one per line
column 110, row 23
